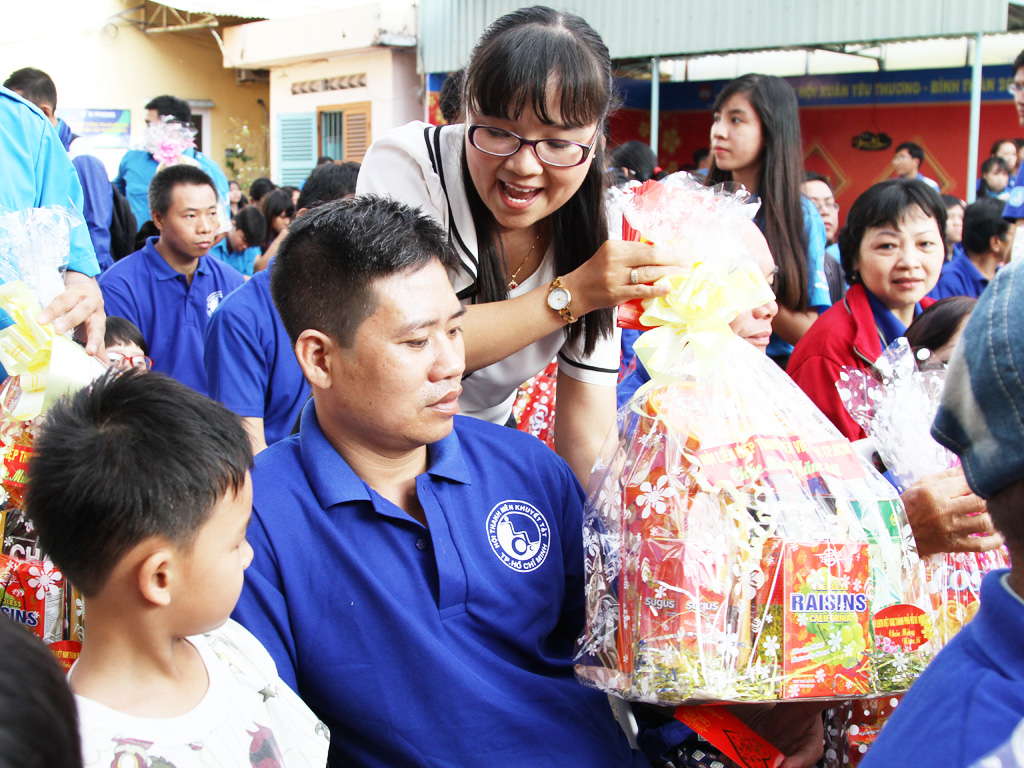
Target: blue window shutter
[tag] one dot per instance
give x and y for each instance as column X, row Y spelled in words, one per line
column 296, row 144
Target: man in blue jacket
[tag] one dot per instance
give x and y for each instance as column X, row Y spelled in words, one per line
column 138, row 166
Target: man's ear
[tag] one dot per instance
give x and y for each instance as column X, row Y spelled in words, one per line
column 158, row 220
column 313, row 351
column 156, row 575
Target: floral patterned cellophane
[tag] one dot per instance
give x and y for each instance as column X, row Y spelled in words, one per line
column 737, row 549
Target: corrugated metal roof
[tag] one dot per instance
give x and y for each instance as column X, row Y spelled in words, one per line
column 258, row 9
column 643, row 28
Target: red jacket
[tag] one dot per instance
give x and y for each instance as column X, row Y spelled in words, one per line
column 844, row 335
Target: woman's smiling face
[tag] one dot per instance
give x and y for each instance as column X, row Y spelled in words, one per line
column 519, row 189
column 900, row 264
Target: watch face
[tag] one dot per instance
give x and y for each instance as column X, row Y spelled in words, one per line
column 558, row 299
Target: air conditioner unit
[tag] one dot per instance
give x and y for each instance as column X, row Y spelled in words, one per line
column 252, row 75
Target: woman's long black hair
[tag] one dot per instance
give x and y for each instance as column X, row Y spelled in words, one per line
column 781, row 216
column 524, row 59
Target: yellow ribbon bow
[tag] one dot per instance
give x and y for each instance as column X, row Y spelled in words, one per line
column 48, row 365
column 695, row 314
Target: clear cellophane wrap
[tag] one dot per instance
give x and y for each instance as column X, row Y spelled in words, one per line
column 895, row 403
column 737, row 549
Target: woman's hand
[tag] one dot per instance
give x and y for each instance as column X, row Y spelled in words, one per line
column 604, row 280
column 946, row 516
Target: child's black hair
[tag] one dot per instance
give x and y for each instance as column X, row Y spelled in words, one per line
column 251, row 223
column 133, row 456
column 120, row 330
column 38, row 719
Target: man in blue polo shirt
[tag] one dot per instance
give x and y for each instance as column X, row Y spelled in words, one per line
column 417, row 576
column 169, row 289
column 138, row 166
column 250, row 365
column 987, row 241
column 36, row 173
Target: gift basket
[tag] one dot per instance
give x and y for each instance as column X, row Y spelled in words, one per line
column 896, row 404
column 41, row 365
column 737, row 549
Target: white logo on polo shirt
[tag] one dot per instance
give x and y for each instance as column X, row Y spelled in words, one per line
column 1016, row 197
column 212, row 301
column 519, row 535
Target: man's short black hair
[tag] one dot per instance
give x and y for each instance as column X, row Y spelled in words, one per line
column 134, row 455
column 324, row 159
column 173, row 107
column 163, row 184
column 259, row 188
column 250, row 222
column 1018, row 63
column 327, row 183
column 884, row 204
column 325, row 270
column 700, row 155
column 984, row 220
column 120, row 330
column 815, row 176
column 916, row 151
column 33, row 85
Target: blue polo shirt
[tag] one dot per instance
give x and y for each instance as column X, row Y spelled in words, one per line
column 1015, row 203
column 818, row 297
column 250, row 363
column 137, row 169
column 171, row 314
column 240, row 260
column 98, row 210
column 970, row 698
column 448, row 646
column 35, row 172
column 959, row 277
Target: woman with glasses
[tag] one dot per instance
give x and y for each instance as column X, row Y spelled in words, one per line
column 520, row 188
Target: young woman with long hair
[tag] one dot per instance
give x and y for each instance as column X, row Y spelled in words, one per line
column 755, row 141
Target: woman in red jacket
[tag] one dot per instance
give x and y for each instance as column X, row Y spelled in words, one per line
column 892, row 249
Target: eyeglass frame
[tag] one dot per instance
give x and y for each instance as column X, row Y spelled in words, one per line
column 1014, row 88
column 532, row 143
column 130, row 358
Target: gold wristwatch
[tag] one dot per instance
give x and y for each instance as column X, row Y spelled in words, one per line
column 559, row 298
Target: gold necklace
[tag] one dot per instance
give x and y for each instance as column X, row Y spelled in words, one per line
column 512, row 284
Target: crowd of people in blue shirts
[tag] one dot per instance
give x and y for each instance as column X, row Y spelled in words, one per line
column 396, row 579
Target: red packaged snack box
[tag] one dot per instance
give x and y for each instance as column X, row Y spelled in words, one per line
column 813, row 614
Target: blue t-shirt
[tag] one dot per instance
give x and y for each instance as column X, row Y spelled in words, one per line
column 889, row 326
column 250, row 363
column 818, row 297
column 239, row 260
column 969, row 699
column 35, row 172
column 447, row 645
column 138, row 168
column 171, row 314
column 99, row 196
column 959, row 277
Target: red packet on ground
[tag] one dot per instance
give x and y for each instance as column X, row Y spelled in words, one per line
column 722, row 728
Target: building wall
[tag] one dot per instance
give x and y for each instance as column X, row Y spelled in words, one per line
column 100, row 61
column 393, row 89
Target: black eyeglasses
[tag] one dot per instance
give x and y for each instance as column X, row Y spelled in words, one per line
column 559, row 153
